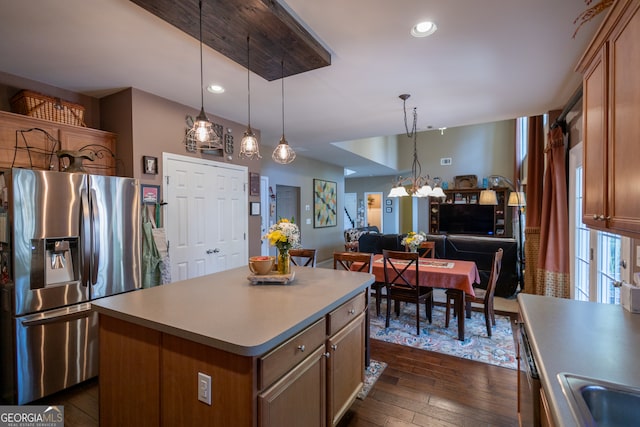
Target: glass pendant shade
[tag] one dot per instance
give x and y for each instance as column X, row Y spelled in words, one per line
column 249, row 145
column 438, row 192
column 283, row 153
column 488, row 197
column 517, row 198
column 202, row 132
column 424, row 191
column 398, row 191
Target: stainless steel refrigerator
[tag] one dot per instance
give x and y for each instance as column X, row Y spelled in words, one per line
column 68, row 238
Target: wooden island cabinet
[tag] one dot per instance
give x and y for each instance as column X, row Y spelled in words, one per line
column 276, row 354
column 611, row 107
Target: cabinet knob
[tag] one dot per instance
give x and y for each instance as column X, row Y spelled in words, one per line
column 327, row 354
column 352, row 311
column 301, row 348
column 595, row 217
column 334, row 347
column 601, row 218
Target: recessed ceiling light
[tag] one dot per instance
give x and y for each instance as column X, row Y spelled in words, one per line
column 423, row 29
column 215, row 89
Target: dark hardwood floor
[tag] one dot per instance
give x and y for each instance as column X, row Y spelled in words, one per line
column 422, row 388
column 418, row 388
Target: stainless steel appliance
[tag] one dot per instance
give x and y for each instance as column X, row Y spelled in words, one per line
column 75, row 238
column 528, row 383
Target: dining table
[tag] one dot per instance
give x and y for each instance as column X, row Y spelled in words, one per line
column 455, row 275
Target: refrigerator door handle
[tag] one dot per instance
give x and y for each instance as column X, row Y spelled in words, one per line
column 95, row 231
column 57, row 316
column 85, row 229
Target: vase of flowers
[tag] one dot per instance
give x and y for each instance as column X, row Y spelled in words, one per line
column 413, row 240
column 284, row 235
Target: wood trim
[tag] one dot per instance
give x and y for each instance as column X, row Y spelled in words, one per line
column 602, row 34
column 276, row 35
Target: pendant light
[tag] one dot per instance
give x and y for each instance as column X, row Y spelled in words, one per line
column 283, row 153
column 202, row 135
column 249, row 147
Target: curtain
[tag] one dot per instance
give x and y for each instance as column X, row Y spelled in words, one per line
column 552, row 272
column 535, row 172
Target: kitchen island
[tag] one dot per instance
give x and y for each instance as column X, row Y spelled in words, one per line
column 586, row 339
column 275, row 354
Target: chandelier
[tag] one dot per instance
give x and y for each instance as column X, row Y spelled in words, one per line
column 419, row 185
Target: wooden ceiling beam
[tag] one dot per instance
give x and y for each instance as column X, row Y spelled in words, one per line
column 275, row 34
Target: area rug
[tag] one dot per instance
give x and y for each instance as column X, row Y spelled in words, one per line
column 371, row 375
column 499, row 349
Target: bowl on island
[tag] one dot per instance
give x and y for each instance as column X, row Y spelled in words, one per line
column 261, row 265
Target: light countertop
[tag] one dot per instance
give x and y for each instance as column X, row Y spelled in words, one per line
column 588, row 339
column 225, row 311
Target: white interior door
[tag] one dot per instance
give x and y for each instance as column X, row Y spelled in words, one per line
column 205, row 216
column 264, row 214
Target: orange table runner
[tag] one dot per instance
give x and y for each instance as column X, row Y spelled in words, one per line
column 438, row 273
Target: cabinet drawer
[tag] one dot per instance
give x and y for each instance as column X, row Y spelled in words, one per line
column 280, row 360
column 348, row 311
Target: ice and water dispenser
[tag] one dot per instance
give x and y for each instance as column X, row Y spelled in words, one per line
column 54, row 261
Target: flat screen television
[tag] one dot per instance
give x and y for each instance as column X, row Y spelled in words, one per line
column 467, row 219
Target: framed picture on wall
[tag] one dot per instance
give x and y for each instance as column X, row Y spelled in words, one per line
column 254, row 184
column 150, row 194
column 254, row 208
column 325, row 203
column 150, row 165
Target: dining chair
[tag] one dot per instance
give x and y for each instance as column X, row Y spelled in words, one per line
column 402, row 284
column 303, row 257
column 344, row 261
column 482, row 296
column 427, row 250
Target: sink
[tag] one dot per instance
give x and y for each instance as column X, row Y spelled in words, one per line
column 596, row 402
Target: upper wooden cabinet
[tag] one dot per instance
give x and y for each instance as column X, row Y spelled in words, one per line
column 27, row 142
column 611, row 107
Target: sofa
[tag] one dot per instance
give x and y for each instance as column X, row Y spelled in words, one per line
column 352, row 236
column 479, row 249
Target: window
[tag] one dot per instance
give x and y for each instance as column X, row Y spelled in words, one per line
column 522, row 138
column 597, row 255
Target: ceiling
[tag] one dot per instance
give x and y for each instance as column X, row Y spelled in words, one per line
column 489, row 60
